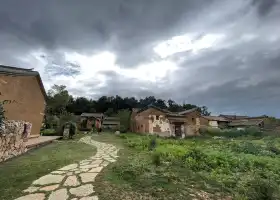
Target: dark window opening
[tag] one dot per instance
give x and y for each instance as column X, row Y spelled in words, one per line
column 157, row 117
column 141, row 125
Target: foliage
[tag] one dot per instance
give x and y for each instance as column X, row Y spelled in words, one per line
column 52, row 122
column 124, row 116
column 59, row 101
column 66, row 117
column 2, row 114
column 246, row 167
column 232, row 133
column 156, row 158
column 49, row 132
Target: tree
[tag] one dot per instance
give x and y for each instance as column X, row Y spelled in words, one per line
column 60, row 103
column 57, row 100
column 204, row 111
column 109, row 112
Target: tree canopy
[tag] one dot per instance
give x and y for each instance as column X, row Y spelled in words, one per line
column 60, row 101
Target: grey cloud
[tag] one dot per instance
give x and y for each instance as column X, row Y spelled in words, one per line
column 239, row 74
column 265, row 6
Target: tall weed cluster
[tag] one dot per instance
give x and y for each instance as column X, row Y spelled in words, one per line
column 248, row 169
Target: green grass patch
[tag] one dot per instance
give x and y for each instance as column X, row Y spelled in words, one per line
column 242, row 168
column 18, row 173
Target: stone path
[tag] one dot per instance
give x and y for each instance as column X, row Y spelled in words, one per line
column 75, row 181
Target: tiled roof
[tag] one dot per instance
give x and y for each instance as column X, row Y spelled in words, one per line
column 187, row 111
column 16, row 71
column 216, row 118
column 245, row 122
column 169, row 113
column 234, row 116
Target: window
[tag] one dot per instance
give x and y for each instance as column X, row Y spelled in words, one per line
column 157, row 117
column 141, row 125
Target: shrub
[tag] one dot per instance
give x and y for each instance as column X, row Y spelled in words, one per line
column 123, row 129
column 274, row 149
column 152, row 144
column 49, row 132
column 246, row 147
column 257, row 188
column 156, row 158
column 253, row 131
column 67, row 117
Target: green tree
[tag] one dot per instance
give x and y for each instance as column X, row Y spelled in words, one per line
column 124, row 116
column 57, row 100
column 204, row 111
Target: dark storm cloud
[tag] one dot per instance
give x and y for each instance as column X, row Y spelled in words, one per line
column 264, row 6
column 120, row 25
column 237, row 75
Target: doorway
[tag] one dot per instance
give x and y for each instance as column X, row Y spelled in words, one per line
column 178, row 130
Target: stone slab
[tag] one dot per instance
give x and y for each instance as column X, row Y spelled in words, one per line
column 59, row 195
column 88, row 177
column 49, row 179
column 82, row 191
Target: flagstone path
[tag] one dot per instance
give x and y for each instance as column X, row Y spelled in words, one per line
column 75, row 181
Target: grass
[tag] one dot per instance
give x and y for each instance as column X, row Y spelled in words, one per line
column 18, row 173
column 201, row 168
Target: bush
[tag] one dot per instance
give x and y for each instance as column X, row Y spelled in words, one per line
column 67, row 117
column 274, row 149
column 123, row 129
column 49, row 132
column 156, row 158
column 257, row 188
column 231, row 133
column 253, row 131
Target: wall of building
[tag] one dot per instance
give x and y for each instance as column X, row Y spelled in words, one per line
column 26, row 101
column 154, row 122
column 213, row 124
column 12, row 139
column 192, row 123
column 159, row 125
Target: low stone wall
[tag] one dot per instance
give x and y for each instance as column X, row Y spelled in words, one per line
column 12, row 137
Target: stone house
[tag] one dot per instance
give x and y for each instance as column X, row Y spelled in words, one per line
column 88, row 120
column 23, row 95
column 154, row 120
column 245, row 123
column 214, row 121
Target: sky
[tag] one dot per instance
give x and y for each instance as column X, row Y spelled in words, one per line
column 224, row 54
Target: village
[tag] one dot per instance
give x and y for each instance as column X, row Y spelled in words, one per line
column 36, row 123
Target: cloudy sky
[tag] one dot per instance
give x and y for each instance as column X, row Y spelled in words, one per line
column 224, row 54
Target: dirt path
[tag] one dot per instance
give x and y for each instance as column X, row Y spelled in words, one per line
column 75, row 181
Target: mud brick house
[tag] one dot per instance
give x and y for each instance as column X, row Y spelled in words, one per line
column 154, row 120
column 244, row 123
column 214, row 121
column 23, row 95
column 88, row 120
